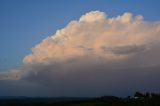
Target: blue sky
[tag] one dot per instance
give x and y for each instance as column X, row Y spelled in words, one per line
column 93, row 62
column 24, row 23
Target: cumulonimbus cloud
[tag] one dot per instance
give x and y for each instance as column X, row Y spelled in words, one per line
column 96, row 52
column 94, row 31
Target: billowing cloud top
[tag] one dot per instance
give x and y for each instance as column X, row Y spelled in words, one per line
column 95, row 34
column 95, row 55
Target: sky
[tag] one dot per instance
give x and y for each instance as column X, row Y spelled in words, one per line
column 24, row 23
column 58, row 46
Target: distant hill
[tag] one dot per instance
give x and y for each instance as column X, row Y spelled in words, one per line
column 139, row 99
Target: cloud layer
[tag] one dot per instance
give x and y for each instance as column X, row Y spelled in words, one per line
column 95, row 55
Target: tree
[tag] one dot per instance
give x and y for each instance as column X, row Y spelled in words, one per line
column 138, row 95
column 147, row 95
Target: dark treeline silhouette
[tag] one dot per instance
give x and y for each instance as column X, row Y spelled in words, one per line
column 138, row 99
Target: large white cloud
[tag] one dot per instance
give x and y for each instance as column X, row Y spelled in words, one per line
column 95, row 54
column 95, row 34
